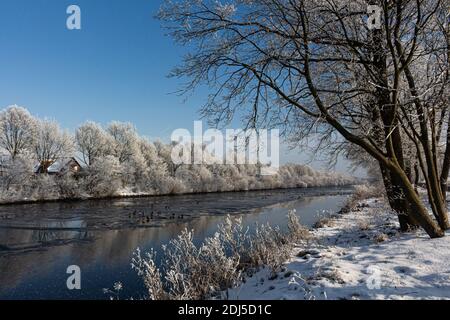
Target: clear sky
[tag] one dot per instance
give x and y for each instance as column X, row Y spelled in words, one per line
column 114, row 68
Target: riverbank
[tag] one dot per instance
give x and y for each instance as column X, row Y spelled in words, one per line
column 127, row 194
column 101, row 236
column 112, row 182
column 358, row 255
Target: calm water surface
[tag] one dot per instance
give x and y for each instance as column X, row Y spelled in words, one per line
column 39, row 241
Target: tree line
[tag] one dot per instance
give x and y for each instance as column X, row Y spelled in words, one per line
column 116, row 160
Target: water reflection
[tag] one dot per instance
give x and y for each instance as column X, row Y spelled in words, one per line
column 36, row 249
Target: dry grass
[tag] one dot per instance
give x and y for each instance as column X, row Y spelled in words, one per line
column 324, row 222
column 363, row 225
column 362, row 192
column 189, row 272
column 333, row 275
column 380, row 237
column 297, row 232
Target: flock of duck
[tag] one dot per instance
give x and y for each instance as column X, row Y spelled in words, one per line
column 147, row 216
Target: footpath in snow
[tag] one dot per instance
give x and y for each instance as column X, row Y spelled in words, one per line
column 359, row 255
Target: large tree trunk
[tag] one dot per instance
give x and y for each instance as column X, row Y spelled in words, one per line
column 418, row 210
column 435, row 194
column 416, row 176
column 397, row 200
column 390, row 133
column 446, row 164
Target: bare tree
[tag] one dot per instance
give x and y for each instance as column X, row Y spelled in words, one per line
column 93, row 142
column 51, row 143
column 319, row 66
column 17, row 129
column 124, row 140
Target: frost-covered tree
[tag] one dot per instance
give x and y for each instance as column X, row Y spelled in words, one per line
column 124, row 140
column 92, row 141
column 17, row 130
column 320, row 67
column 122, row 161
column 165, row 153
column 103, row 176
column 17, row 175
column 51, row 143
column 156, row 167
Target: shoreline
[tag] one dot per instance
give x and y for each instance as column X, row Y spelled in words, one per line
column 150, row 195
column 359, row 255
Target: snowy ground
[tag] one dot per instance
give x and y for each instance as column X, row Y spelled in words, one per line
column 359, row 255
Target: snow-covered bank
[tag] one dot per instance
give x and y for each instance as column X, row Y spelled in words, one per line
column 359, row 255
column 116, row 161
column 98, row 184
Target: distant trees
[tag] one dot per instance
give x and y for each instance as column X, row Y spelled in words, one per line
column 155, row 172
column 17, row 130
column 103, row 177
column 319, row 67
column 92, row 141
column 118, row 161
column 165, row 152
column 51, row 143
column 18, row 173
column 124, row 140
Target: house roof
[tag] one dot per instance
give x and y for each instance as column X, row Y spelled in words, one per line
column 58, row 165
column 55, row 167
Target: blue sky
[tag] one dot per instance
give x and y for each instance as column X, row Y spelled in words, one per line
column 114, row 68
